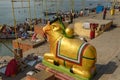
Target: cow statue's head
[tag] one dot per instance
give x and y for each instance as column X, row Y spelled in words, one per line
column 57, row 28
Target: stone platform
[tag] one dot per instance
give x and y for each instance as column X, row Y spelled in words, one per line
column 82, row 26
column 26, row 44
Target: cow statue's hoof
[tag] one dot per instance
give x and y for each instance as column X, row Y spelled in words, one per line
column 56, row 63
column 71, row 70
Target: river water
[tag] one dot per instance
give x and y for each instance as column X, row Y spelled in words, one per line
column 4, row 51
column 36, row 11
column 36, row 8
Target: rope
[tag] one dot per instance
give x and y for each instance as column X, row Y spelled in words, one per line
column 7, row 47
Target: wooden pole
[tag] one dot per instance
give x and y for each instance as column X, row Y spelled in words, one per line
column 29, row 9
column 34, row 10
column 83, row 5
column 42, row 7
column 46, row 9
column 29, row 13
column 13, row 12
column 22, row 3
column 72, row 4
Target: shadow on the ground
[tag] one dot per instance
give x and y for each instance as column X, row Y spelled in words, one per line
column 112, row 27
column 105, row 69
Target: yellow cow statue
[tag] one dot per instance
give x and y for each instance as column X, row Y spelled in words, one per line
column 74, row 54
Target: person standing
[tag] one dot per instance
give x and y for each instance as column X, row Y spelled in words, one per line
column 12, row 68
column 104, row 13
column 92, row 31
column 81, row 13
column 119, row 8
column 71, row 18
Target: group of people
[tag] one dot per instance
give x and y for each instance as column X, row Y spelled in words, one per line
column 22, row 29
column 7, row 30
column 94, row 26
column 68, row 16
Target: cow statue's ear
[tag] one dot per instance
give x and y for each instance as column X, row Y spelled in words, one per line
column 48, row 23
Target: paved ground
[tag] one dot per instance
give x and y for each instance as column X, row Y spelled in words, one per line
column 108, row 49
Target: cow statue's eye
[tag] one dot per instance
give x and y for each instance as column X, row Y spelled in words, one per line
column 55, row 28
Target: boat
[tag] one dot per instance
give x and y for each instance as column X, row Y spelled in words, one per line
column 48, row 13
column 7, row 36
column 7, row 32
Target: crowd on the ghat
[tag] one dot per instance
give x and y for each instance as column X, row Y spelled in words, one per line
column 20, row 30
